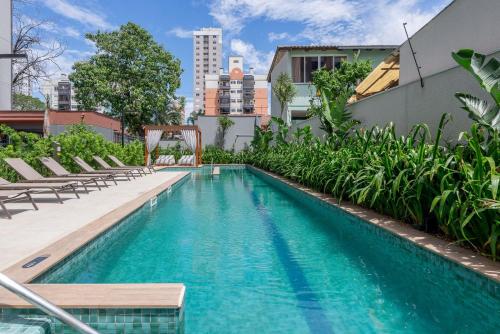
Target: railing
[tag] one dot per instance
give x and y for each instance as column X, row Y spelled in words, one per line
column 44, row 305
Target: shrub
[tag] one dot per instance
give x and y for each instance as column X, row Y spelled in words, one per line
column 77, row 140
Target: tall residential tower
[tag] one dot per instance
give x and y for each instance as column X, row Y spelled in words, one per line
column 207, row 59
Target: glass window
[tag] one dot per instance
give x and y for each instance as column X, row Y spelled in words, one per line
column 326, row 62
column 339, row 60
column 298, row 69
column 310, row 65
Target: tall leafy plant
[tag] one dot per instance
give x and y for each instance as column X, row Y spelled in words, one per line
column 285, row 91
column 487, row 73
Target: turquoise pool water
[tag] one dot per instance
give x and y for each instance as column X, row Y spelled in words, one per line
column 259, row 257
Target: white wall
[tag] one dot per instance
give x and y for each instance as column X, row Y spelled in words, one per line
column 472, row 24
column 284, row 65
column 5, row 47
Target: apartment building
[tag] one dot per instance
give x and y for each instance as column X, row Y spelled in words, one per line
column 207, row 59
column 235, row 92
column 60, row 93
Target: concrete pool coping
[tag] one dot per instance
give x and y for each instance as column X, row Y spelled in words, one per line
column 169, row 295
column 462, row 256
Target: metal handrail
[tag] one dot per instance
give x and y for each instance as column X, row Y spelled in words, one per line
column 44, row 305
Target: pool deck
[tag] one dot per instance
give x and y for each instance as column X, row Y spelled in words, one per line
column 57, row 230
column 30, row 231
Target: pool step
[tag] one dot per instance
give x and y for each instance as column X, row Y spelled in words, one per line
column 17, row 325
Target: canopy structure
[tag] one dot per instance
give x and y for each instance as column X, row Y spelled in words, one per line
column 190, row 133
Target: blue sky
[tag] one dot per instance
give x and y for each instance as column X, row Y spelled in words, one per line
column 252, row 28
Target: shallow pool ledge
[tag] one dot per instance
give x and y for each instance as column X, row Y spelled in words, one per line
column 147, row 307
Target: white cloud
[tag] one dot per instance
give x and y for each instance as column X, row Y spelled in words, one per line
column 330, row 21
column 259, row 60
column 273, row 36
column 180, row 32
column 83, row 15
column 188, row 108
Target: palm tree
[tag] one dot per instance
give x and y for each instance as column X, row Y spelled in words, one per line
column 284, row 90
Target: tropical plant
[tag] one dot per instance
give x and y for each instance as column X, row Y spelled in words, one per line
column 224, row 123
column 333, row 90
column 285, row 91
column 130, row 74
column 487, row 73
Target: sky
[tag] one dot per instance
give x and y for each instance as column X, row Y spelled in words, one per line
column 251, row 28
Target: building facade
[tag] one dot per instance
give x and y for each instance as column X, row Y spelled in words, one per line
column 235, row 92
column 5, row 48
column 60, row 93
column 207, row 59
column 301, row 61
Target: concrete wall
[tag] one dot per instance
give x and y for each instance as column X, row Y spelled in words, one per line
column 5, row 47
column 471, row 24
column 238, row 136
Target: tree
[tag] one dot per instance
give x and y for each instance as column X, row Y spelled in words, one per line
column 28, row 39
column 224, row 124
column 284, row 90
column 26, row 102
column 333, row 90
column 130, row 74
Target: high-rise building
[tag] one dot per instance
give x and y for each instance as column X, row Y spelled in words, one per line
column 207, row 59
column 60, row 93
column 235, row 92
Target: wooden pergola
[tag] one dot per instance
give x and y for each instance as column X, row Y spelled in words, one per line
column 175, row 129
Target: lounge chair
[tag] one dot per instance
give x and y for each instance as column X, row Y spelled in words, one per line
column 165, row 160
column 104, row 165
column 31, row 186
column 14, row 195
column 186, row 160
column 31, row 175
column 87, row 169
column 60, row 171
column 122, row 165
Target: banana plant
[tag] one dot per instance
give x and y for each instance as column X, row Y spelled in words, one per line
column 335, row 112
column 487, row 73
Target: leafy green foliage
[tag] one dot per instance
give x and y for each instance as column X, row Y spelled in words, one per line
column 412, row 178
column 333, row 90
column 284, row 90
column 488, row 76
column 77, row 140
column 224, row 124
column 129, row 73
column 26, row 102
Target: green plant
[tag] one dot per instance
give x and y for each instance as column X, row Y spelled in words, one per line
column 488, row 76
column 333, row 90
column 224, row 123
column 285, row 91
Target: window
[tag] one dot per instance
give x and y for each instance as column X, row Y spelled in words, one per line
column 298, row 69
column 326, row 62
column 310, row 65
column 339, row 60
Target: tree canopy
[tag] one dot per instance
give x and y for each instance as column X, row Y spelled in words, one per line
column 26, row 102
column 129, row 73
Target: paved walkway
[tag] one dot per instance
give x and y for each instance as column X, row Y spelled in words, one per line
column 29, row 231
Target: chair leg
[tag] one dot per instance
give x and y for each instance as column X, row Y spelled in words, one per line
column 75, row 191
column 57, row 195
column 97, row 184
column 32, row 201
column 5, row 210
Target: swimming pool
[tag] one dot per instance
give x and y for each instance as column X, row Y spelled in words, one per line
column 258, row 256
